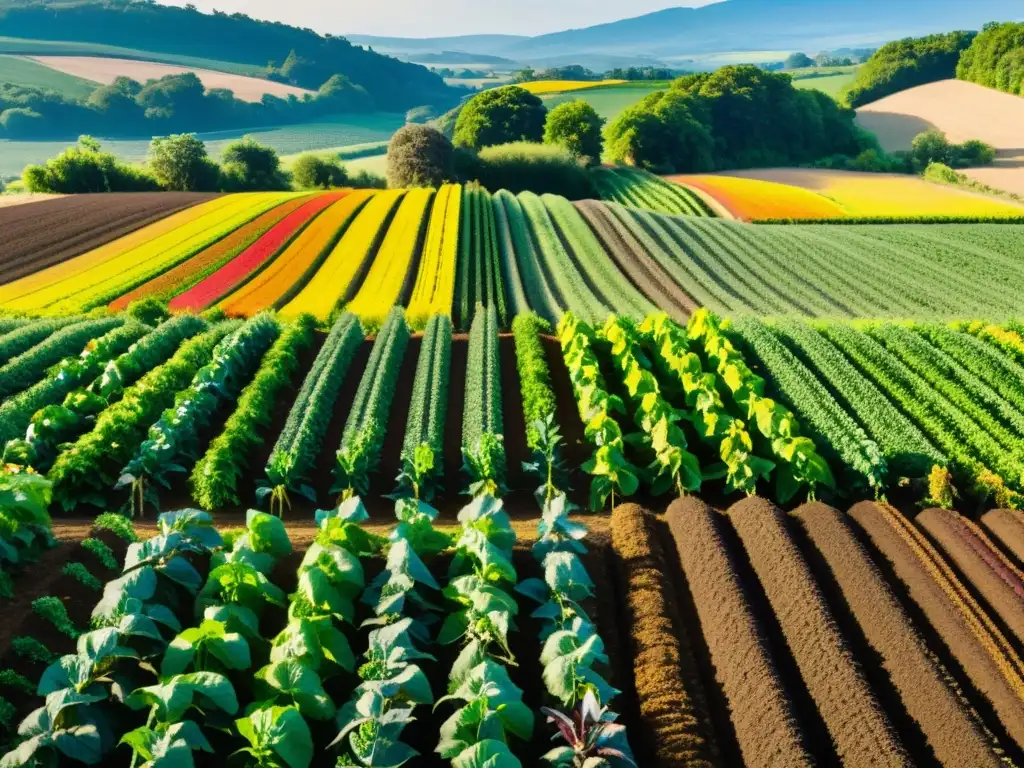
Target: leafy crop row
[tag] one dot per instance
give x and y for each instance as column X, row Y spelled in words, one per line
column 480, row 277
column 422, row 458
column 175, row 436
column 483, row 447
column 23, row 337
column 85, row 471
column 540, row 294
column 534, row 374
column 216, row 477
column 361, row 443
column 294, row 455
column 515, row 291
column 639, row 189
column 68, row 374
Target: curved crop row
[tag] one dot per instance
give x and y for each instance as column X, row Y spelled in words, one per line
column 166, row 231
column 985, row 655
column 285, row 276
column 422, row 458
column 951, row 728
column 340, row 275
column 635, row 262
column 907, row 452
column 30, row 366
column 54, row 425
column 673, row 711
column 68, row 374
column 105, row 283
column 968, row 446
column 174, row 439
column 515, row 291
column 294, row 455
column 434, row 290
column 240, row 269
column 483, row 448
column 520, row 249
column 857, row 724
column 762, row 717
column 215, row 477
column 997, row 580
column 567, row 281
column 480, row 278
column 88, row 469
column 840, row 435
column 22, row 338
column 630, row 186
column 363, row 438
column 1007, row 525
column 388, row 279
column 594, row 262
column 182, row 277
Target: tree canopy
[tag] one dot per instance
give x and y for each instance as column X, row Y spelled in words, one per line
column 576, row 126
column 500, row 116
column 420, row 156
column 996, row 58
column 907, row 63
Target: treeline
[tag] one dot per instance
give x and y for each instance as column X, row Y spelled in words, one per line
column 735, row 117
column 996, row 58
column 174, row 103
column 299, row 56
column 905, row 64
column 579, row 72
column 180, row 163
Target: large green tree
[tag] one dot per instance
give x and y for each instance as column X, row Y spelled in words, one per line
column 996, row 58
column 420, row 156
column 249, row 165
column 576, row 126
column 500, row 116
column 180, row 163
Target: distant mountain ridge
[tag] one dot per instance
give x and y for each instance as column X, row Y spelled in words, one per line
column 733, row 25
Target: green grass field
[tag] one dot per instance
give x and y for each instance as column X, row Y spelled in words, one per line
column 832, row 83
column 287, row 140
column 609, row 101
column 31, row 74
column 25, row 47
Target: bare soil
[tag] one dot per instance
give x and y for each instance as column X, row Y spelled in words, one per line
column 1007, row 527
column 52, row 231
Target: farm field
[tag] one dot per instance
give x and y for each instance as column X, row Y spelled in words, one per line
column 25, row 72
column 833, row 84
column 962, row 111
column 517, row 253
column 609, row 101
column 808, row 193
column 286, row 139
column 106, row 70
column 720, row 628
column 542, row 87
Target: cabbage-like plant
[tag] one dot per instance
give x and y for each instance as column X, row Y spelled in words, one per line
column 592, row 737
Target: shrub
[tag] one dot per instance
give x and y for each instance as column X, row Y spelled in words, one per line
column 500, row 116
column 180, row 163
column 84, row 168
column 932, row 146
column 249, row 165
column 149, row 310
column 313, row 171
column 420, row 156
column 576, row 126
column 117, row 524
column 524, row 166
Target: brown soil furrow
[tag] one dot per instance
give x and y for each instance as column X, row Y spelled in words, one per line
column 53, row 231
column 674, row 725
column 643, row 271
column 761, row 715
column 952, row 732
column 1007, row 525
column 996, row 579
column 859, row 728
column 986, row 657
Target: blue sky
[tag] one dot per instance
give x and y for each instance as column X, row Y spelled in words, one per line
column 433, row 18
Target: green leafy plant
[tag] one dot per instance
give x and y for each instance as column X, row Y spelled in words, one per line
column 119, row 525
column 32, row 650
column 278, row 737
column 12, row 679
column 81, row 574
column 51, row 609
column 102, row 552
column 483, row 446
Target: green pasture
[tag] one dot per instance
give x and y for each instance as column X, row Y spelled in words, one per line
column 32, row 74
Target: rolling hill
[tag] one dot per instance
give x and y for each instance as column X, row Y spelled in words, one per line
column 962, row 111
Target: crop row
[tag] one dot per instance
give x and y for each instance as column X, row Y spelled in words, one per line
column 639, row 189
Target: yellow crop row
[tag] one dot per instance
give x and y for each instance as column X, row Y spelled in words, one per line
column 382, row 288
column 273, row 286
column 348, row 259
column 755, row 199
column 73, row 267
column 434, row 290
column 105, row 282
column 540, row 87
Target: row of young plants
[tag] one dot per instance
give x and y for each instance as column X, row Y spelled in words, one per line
column 359, row 454
column 483, row 441
column 480, row 277
column 290, row 466
column 174, row 439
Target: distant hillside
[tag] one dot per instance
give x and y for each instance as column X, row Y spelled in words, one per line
column 734, row 25
column 303, row 57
